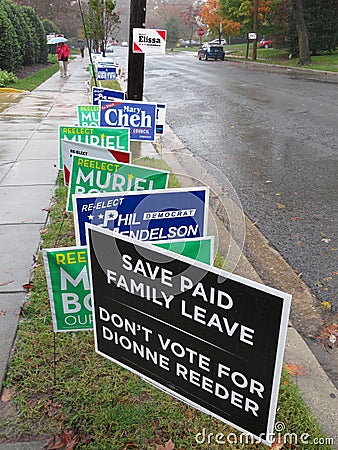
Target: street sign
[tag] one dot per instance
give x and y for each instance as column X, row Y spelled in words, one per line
column 200, row 32
column 212, row 339
column 70, row 148
column 68, row 288
column 92, row 176
column 103, row 94
column 140, row 117
column 148, row 215
column 252, row 36
column 149, row 41
column 108, row 137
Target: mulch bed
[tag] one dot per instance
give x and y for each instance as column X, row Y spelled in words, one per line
column 27, row 71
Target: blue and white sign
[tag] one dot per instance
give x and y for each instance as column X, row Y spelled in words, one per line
column 147, row 216
column 106, row 72
column 139, row 117
column 103, row 94
column 160, row 118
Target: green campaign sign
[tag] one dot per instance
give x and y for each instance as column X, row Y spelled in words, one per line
column 108, row 137
column 92, row 175
column 69, row 284
column 88, row 115
column 199, row 249
column 69, row 288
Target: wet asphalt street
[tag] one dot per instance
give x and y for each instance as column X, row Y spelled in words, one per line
column 274, row 136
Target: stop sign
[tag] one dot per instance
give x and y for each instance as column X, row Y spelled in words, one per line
column 200, row 32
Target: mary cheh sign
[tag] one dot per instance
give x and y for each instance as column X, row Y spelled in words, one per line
column 210, row 338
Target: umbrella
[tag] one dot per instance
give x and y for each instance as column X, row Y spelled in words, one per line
column 57, row 39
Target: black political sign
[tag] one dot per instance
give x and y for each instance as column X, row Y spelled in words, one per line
column 210, row 338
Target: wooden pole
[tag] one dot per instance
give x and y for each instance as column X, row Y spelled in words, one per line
column 136, row 60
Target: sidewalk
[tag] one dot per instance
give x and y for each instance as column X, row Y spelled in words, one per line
column 28, row 170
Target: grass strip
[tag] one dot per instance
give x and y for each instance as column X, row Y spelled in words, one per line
column 33, row 81
column 58, row 386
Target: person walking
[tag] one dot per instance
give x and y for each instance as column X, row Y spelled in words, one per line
column 63, row 52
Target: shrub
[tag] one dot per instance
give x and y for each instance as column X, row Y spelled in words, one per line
column 6, row 78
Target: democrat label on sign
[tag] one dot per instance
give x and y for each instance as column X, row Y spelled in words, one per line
column 68, row 288
column 88, row 115
column 102, row 94
column 92, row 176
column 149, row 216
column 139, row 117
column 149, row 40
column 212, row 339
column 69, row 149
column 113, row 138
column 199, row 249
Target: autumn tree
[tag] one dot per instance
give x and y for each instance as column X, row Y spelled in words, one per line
column 101, row 22
column 212, row 18
column 242, row 12
column 189, row 17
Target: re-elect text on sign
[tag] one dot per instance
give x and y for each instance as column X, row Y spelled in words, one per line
column 113, row 138
column 71, row 148
column 92, row 176
column 148, row 215
column 211, row 338
column 139, row 117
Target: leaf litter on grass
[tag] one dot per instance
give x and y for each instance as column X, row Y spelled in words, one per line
column 66, row 392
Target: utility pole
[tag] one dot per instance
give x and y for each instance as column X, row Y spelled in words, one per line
column 255, row 28
column 136, row 60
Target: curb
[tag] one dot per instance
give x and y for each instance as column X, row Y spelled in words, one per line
column 316, row 389
column 5, row 89
column 321, row 75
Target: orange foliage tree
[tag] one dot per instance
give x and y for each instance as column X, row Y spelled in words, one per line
column 210, row 14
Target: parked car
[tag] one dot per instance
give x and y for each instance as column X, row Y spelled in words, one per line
column 265, row 43
column 186, row 44
column 110, row 48
column 216, row 41
column 211, row 51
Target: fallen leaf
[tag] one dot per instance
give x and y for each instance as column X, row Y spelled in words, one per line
column 129, row 445
column 280, row 205
column 277, row 445
column 63, row 440
column 28, row 285
column 7, row 394
column 295, row 370
column 326, row 305
column 2, row 312
column 167, row 446
column 51, row 408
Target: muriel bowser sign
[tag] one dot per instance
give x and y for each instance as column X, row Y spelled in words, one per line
column 210, row 338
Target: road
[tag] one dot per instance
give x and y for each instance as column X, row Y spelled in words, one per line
column 274, row 136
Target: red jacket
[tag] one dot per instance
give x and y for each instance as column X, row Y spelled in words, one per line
column 62, row 49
